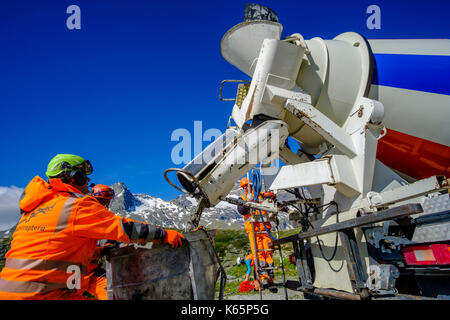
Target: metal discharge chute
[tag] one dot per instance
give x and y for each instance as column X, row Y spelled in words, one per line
column 212, row 173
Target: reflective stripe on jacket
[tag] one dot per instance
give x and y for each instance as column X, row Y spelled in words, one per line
column 57, row 235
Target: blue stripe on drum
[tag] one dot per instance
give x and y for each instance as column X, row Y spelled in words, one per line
column 414, row 72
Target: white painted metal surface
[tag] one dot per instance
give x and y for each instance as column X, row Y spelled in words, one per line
column 320, row 91
column 435, row 47
column 241, row 44
column 400, row 194
column 277, row 65
column 237, row 158
column 416, row 113
column 304, row 174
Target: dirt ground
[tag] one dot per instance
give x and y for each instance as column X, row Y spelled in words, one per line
column 267, row 295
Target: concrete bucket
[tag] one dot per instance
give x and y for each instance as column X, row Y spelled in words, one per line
column 159, row 272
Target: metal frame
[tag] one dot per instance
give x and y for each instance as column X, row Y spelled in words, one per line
column 303, row 270
column 393, row 213
column 225, row 81
column 251, row 205
column 354, row 263
column 282, row 266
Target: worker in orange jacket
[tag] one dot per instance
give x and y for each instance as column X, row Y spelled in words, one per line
column 263, row 240
column 57, row 234
column 96, row 275
column 104, row 194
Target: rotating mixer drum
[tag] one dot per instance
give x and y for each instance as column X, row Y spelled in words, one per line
column 409, row 77
column 412, row 80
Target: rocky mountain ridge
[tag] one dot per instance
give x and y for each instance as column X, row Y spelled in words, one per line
column 175, row 213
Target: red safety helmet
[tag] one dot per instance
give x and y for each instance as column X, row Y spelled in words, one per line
column 102, row 191
column 269, row 195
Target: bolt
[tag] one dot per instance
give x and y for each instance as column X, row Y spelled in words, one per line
column 360, row 112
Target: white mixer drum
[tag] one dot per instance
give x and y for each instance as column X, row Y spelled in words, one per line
column 412, row 80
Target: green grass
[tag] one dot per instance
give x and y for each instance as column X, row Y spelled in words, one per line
column 229, row 238
column 232, row 287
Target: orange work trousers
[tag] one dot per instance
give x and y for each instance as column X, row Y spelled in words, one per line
column 265, row 256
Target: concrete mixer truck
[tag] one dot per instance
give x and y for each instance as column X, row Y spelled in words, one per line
column 371, row 166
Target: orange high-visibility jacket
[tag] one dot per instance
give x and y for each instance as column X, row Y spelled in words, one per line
column 57, row 236
column 259, row 226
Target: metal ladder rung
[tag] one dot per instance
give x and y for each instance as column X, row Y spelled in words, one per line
column 269, row 268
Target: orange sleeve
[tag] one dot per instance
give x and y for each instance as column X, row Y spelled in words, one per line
column 93, row 220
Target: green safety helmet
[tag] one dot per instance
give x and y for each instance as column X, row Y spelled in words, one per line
column 67, row 163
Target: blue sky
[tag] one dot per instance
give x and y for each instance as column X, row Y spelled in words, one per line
column 115, row 90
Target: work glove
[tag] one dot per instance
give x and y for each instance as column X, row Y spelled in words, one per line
column 173, row 238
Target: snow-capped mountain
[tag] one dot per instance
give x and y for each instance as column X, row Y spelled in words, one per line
column 176, row 213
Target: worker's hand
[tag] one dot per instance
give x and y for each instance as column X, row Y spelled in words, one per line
column 173, row 238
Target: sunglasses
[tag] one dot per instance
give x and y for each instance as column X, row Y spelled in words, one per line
column 85, row 167
column 107, row 194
